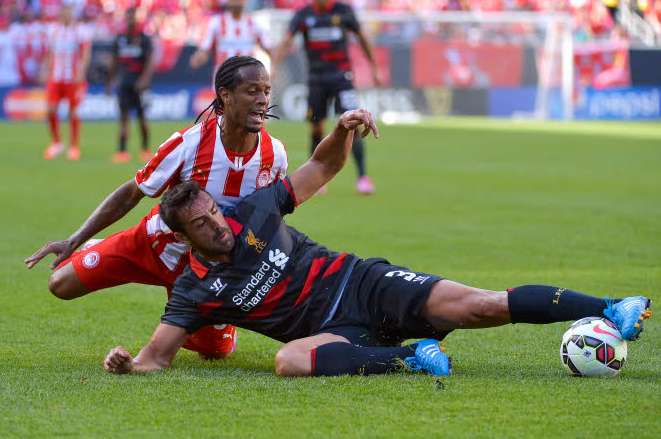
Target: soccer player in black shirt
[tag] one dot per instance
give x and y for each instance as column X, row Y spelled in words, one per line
column 133, row 63
column 337, row 314
column 325, row 25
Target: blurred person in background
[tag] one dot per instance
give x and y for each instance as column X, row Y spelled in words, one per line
column 325, row 25
column 9, row 75
column 30, row 39
column 68, row 58
column 232, row 32
column 133, row 63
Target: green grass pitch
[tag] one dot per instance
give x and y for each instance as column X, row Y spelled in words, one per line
column 489, row 203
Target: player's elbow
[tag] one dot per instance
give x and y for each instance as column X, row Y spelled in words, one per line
column 293, row 360
column 288, row 362
column 282, row 366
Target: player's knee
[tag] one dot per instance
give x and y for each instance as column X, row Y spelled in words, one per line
column 57, row 284
column 287, row 362
column 63, row 286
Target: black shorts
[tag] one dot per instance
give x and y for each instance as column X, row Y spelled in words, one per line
column 320, row 94
column 382, row 305
column 129, row 98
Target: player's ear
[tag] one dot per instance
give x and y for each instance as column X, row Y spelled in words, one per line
column 182, row 238
column 223, row 95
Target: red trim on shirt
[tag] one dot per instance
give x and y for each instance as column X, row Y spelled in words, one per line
column 313, row 360
column 205, row 151
column 245, row 155
column 206, row 307
column 313, row 273
column 318, row 45
column 335, row 266
column 271, row 301
column 290, row 190
column 198, row 267
column 234, row 225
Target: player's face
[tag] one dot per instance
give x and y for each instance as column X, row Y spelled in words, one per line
column 248, row 102
column 67, row 15
column 206, row 228
column 130, row 18
column 236, row 5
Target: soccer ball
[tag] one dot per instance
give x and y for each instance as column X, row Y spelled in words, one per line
column 593, row 346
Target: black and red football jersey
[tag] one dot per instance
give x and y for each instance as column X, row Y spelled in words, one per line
column 325, row 36
column 280, row 283
column 132, row 52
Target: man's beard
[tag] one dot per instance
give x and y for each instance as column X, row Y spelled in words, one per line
column 219, row 246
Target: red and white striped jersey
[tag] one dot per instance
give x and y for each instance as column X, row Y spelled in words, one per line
column 233, row 37
column 198, row 153
column 66, row 45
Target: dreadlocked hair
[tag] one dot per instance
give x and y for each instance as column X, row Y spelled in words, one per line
column 227, row 77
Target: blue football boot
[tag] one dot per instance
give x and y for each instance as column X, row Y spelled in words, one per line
column 628, row 315
column 429, row 358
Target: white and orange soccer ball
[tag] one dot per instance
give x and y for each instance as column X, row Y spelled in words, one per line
column 593, row 346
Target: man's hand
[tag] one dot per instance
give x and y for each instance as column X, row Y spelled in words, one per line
column 198, row 59
column 331, row 154
column 118, row 361
column 141, row 84
column 351, row 120
column 376, row 77
column 61, row 249
column 108, row 88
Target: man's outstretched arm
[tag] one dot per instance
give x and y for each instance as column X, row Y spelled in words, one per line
column 157, row 355
column 331, row 154
column 114, row 207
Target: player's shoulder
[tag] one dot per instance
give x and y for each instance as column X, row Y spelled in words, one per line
column 341, row 6
column 185, row 284
column 215, row 19
column 193, row 134
column 278, row 145
column 305, row 11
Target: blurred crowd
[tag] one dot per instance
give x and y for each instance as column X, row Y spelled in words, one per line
column 174, row 23
column 186, row 20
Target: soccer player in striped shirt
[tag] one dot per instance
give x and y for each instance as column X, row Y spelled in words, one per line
column 68, row 59
column 229, row 153
column 233, row 32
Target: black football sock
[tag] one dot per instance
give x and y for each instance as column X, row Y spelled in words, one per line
column 314, row 141
column 546, row 304
column 340, row 358
column 122, row 142
column 145, row 138
column 358, row 150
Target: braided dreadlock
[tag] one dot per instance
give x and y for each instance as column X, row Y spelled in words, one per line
column 227, row 77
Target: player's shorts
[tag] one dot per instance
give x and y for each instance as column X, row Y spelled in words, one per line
column 382, row 305
column 320, row 94
column 129, row 98
column 127, row 257
column 72, row 92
